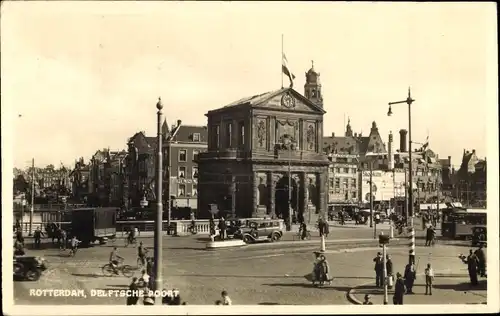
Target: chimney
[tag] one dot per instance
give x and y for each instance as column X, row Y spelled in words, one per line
column 449, row 160
column 390, row 152
column 402, row 140
column 333, row 134
column 473, row 151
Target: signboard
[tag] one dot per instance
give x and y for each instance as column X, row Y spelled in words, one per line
column 386, row 185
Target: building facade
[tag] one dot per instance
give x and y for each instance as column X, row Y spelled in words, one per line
column 80, row 181
column 343, row 179
column 470, row 187
column 184, row 149
column 265, row 156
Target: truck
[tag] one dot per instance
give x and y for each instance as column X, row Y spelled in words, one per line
column 94, row 224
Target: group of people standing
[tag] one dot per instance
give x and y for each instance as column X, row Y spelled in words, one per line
column 403, row 285
column 476, row 264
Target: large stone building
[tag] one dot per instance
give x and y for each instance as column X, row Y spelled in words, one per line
column 80, row 181
column 265, row 156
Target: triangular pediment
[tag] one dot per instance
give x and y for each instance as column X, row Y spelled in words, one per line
column 290, row 100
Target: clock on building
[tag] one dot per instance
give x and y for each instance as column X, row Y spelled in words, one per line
column 287, row 101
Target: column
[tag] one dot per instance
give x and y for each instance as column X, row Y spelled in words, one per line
column 323, row 190
column 271, row 210
column 233, row 196
column 255, row 196
column 305, row 196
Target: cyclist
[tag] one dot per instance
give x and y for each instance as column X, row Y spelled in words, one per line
column 114, row 258
column 74, row 244
column 141, row 252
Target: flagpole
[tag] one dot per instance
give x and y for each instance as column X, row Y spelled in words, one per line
column 281, row 68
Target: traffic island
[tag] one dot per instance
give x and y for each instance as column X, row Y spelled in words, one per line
column 455, row 290
column 225, row 243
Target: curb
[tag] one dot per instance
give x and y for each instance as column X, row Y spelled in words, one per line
column 224, row 244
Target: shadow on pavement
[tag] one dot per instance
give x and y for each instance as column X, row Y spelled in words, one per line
column 268, row 303
column 186, row 248
column 237, row 276
column 303, row 285
column 60, row 255
column 88, row 275
column 482, row 286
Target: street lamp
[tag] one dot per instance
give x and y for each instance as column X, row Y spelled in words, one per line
column 23, row 204
column 408, row 101
column 158, row 251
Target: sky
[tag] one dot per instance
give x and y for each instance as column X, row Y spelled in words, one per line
column 78, row 77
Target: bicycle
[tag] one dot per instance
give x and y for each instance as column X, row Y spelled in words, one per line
column 130, row 241
column 307, row 237
column 73, row 250
column 125, row 269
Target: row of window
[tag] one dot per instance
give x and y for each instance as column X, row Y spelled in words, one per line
column 228, row 137
column 182, row 190
column 343, row 170
column 335, row 183
column 182, row 173
column 353, row 194
column 183, row 155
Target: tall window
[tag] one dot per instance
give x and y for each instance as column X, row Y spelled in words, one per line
column 344, row 183
column 337, row 183
column 182, row 172
column 241, row 137
column 337, row 170
column 195, row 154
column 195, row 173
column 353, row 183
column 196, row 137
column 181, row 191
column 332, row 183
column 229, row 135
column 346, row 170
column 195, row 189
column 182, row 155
column 353, row 194
column 216, row 136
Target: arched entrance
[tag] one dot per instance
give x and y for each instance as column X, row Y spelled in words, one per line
column 282, row 197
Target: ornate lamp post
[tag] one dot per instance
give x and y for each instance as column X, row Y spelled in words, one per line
column 158, row 251
column 408, row 101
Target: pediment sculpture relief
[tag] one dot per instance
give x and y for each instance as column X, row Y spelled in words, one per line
column 261, row 133
column 311, row 137
column 286, row 135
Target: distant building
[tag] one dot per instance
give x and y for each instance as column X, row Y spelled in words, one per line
column 140, row 165
column 471, row 180
column 80, row 181
column 187, row 144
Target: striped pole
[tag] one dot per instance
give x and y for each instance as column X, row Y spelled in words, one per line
column 411, row 243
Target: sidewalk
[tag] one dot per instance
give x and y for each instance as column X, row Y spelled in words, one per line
column 446, row 290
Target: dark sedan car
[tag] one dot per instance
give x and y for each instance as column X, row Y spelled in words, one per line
column 29, row 268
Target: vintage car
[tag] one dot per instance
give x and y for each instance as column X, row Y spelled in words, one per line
column 479, row 236
column 29, row 268
column 259, row 230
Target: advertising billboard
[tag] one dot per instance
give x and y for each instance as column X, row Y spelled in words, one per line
column 386, row 185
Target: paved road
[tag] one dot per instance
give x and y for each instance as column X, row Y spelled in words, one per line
column 257, row 274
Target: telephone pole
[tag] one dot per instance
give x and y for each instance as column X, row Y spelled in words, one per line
column 32, row 208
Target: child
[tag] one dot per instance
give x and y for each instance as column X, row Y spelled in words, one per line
column 225, row 298
column 429, row 277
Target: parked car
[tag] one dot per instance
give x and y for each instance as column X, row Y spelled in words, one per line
column 29, row 268
column 479, row 236
column 259, row 230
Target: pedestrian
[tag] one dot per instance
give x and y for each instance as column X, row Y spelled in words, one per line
column 429, row 236
column 316, row 270
column 367, row 300
column 326, row 229
column 37, row 235
column 225, row 298
column 324, row 270
column 133, row 297
column 429, row 278
column 389, row 268
column 472, row 267
column 410, row 276
column 481, row 260
column 64, row 240
column 222, row 228
column 321, row 227
column 399, row 290
column 144, row 280
column 303, row 230
column 379, row 270
column 148, row 299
